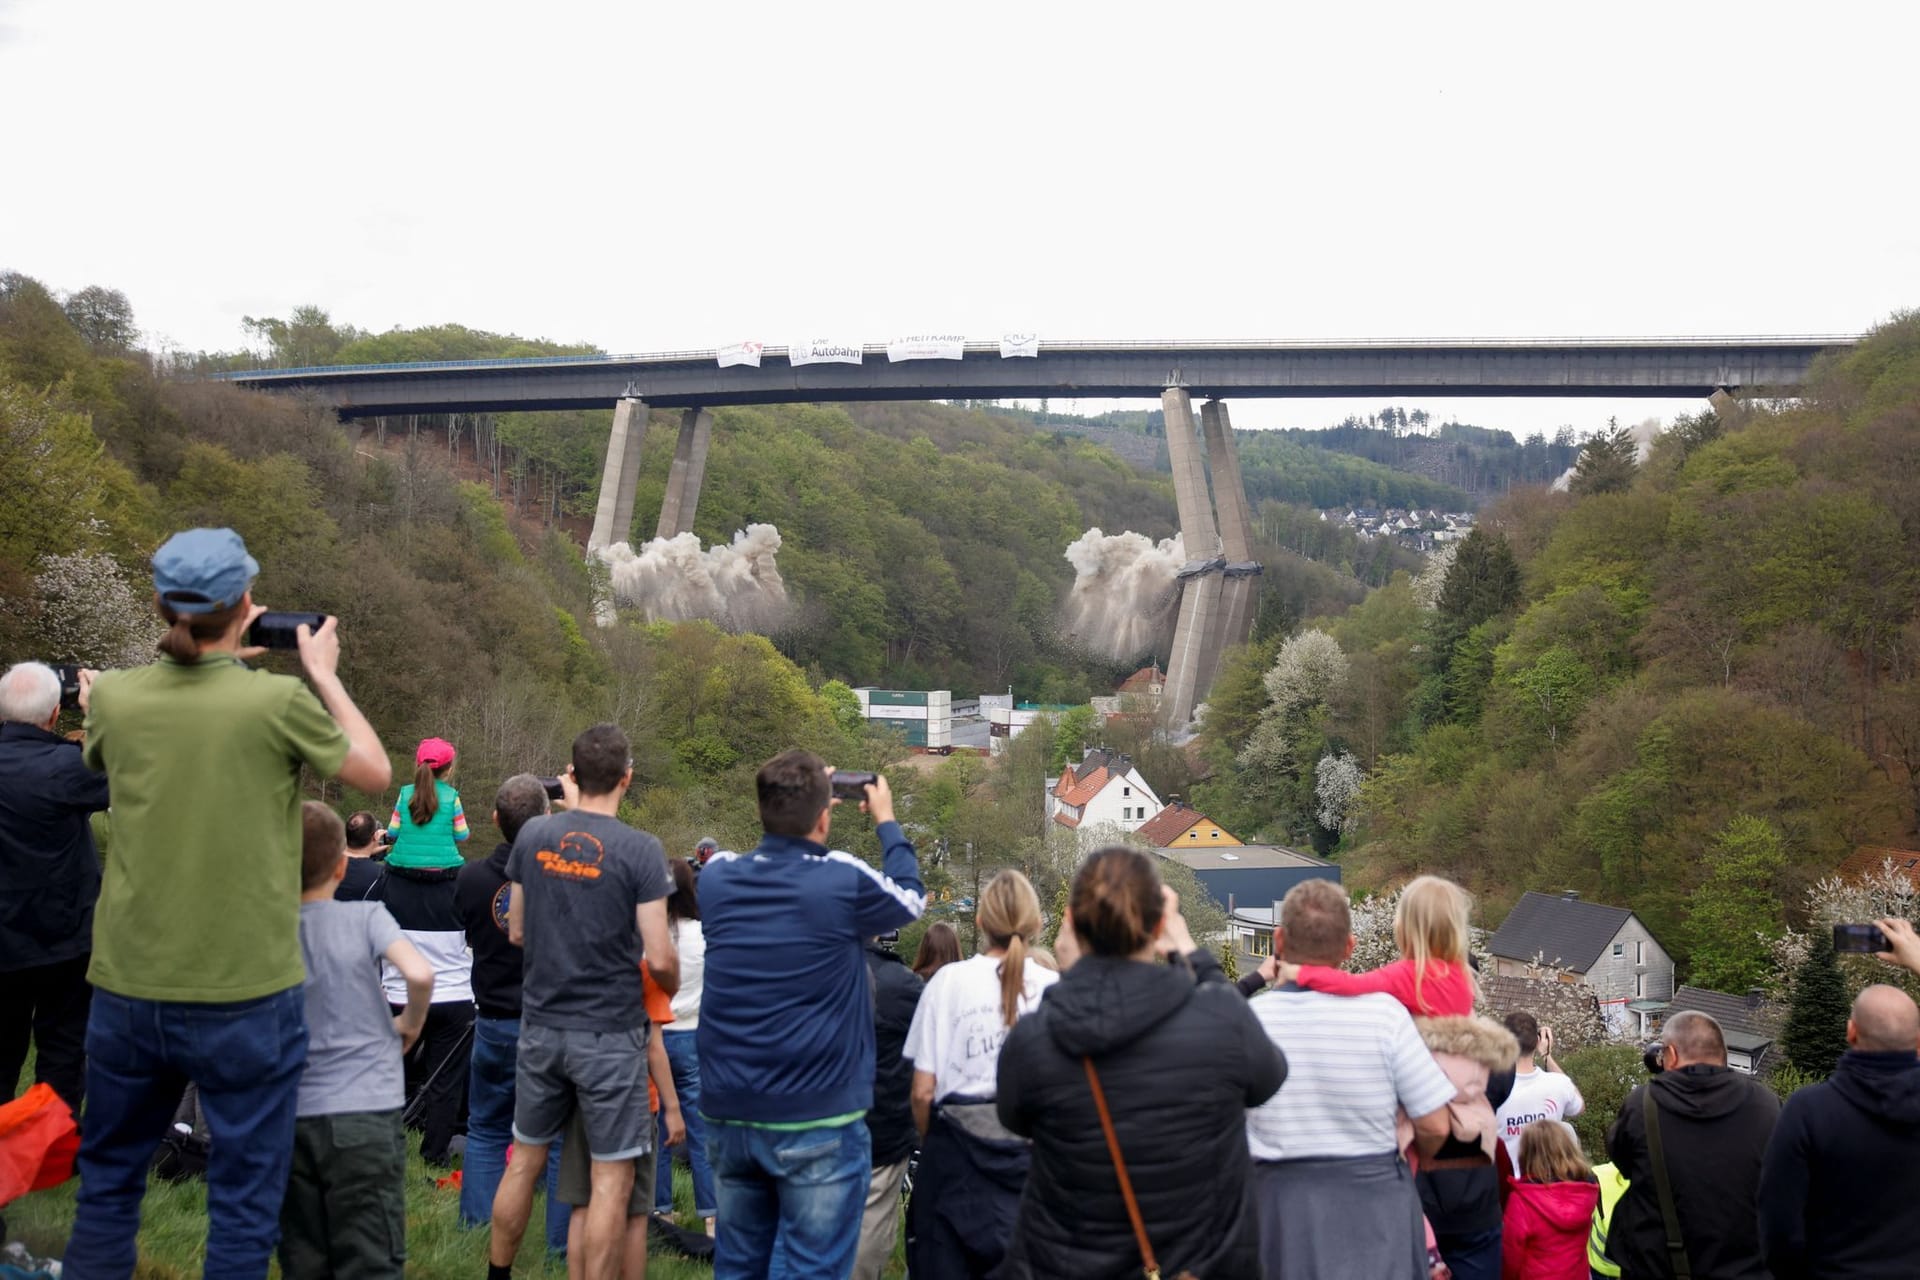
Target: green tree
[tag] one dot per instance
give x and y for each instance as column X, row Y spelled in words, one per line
column 1483, row 583
column 104, row 318
column 1737, row 911
column 1553, row 689
column 1077, row 726
column 1607, row 463
column 1816, row 1032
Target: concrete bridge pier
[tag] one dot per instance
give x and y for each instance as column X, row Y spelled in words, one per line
column 1239, row 593
column 1725, row 405
column 613, row 516
column 1195, row 647
column 687, row 474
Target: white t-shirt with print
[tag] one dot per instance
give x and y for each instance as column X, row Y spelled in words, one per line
column 1537, row 1095
column 958, row 1029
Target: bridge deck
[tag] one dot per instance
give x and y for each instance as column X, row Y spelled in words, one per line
column 1549, row 367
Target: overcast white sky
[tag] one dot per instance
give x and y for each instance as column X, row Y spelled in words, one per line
column 655, row 176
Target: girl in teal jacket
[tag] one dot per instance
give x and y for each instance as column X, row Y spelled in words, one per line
column 428, row 823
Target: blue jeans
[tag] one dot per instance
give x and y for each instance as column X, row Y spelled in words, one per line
column 686, row 1083
column 790, row 1202
column 496, row 1044
column 1472, row 1257
column 141, row 1055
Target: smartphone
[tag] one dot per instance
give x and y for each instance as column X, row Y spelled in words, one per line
column 1858, row 939
column 848, row 785
column 277, row 630
column 554, row 790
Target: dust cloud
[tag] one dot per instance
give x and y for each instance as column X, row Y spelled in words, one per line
column 737, row 586
column 1125, row 592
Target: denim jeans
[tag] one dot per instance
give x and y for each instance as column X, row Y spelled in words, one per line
column 790, row 1203
column 686, row 1084
column 141, row 1055
column 1472, row 1257
column 490, row 1128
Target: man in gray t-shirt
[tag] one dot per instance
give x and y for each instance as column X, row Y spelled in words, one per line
column 345, row 1210
column 589, row 906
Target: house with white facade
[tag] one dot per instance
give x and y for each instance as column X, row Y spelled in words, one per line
column 1605, row 948
column 1104, row 787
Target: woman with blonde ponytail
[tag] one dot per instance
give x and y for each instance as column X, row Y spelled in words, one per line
column 967, row 1188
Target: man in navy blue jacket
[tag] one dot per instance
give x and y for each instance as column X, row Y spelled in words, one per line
column 786, row 1036
column 49, row 879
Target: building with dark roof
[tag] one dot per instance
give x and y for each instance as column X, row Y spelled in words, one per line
column 1104, row 788
column 1607, row 948
column 1747, row 1022
column 1251, row 875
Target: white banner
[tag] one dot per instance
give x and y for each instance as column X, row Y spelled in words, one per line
column 936, row 347
column 824, row 351
column 880, row 711
column 1019, row 344
column 740, row 353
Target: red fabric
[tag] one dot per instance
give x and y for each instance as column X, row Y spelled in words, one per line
column 1544, row 1236
column 1445, row 989
column 38, row 1142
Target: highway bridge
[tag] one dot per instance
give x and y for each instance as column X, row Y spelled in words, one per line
column 1669, row 368
column 1219, row 585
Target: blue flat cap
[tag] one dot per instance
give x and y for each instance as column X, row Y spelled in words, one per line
column 203, row 570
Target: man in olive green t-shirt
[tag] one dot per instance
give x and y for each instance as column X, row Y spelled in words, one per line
column 196, row 950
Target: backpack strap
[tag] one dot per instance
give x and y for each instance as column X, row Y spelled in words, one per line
column 1147, row 1260
column 1663, row 1185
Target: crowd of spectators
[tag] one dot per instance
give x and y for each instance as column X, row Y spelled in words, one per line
column 572, row 1008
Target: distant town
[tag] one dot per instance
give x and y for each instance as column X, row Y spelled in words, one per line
column 1415, row 529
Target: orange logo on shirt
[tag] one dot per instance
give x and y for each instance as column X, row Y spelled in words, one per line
column 578, row 857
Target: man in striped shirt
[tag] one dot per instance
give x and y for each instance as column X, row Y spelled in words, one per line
column 1333, row 1196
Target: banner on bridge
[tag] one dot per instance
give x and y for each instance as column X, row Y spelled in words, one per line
column 1014, row 345
column 739, row 353
column 938, row 347
column 824, row 351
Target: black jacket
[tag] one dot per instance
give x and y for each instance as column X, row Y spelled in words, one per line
column 1462, row 1202
column 1180, row 1059
column 896, row 994
column 49, row 870
column 1714, row 1125
column 480, row 902
column 1842, row 1174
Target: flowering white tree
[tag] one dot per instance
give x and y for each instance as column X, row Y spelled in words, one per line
column 1310, row 668
column 1336, row 785
column 1432, row 578
column 86, row 610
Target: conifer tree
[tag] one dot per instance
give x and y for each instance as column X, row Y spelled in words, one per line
column 1816, row 1032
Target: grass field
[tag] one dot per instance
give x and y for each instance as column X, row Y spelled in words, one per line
column 173, row 1232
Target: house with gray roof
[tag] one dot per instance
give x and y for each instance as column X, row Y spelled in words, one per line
column 1748, row 1023
column 1606, row 948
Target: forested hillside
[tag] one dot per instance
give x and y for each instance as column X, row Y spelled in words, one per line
column 1690, row 687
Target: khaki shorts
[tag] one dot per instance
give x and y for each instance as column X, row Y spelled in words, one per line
column 576, row 1172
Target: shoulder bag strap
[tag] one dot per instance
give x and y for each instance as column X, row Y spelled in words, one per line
column 1147, row 1259
column 1676, row 1248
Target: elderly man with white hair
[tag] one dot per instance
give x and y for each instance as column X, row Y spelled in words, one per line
column 49, row 878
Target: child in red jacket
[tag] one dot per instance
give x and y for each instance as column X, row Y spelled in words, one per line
column 1550, row 1210
column 1431, row 978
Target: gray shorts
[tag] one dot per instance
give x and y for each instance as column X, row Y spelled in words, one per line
column 576, row 1173
column 602, row 1074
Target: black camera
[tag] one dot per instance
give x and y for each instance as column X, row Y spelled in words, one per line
column 1654, row 1058
column 69, row 673
column 554, row 790
column 848, row 785
column 1858, row 939
column 281, row 630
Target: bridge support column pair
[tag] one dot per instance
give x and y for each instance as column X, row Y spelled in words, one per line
column 1218, row 582
column 613, row 517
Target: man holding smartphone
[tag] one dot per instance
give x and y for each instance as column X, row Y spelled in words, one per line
column 786, row 1038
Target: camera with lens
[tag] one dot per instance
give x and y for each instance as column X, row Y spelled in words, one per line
column 1654, row 1058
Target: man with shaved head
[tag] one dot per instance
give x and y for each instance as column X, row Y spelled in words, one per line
column 1842, row 1173
column 1713, row 1126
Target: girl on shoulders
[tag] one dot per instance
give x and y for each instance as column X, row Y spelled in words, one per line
column 1431, row 977
column 428, row 822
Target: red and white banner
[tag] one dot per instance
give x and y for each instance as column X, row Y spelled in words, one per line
column 1013, row 345
column 824, row 351
column 935, row 347
column 740, row 353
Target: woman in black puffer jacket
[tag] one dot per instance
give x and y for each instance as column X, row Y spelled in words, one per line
column 1180, row 1058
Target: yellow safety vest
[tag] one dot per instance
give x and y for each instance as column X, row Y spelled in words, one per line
column 1612, row 1186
